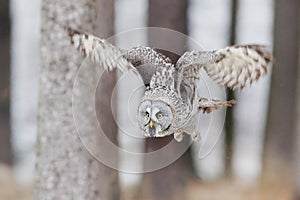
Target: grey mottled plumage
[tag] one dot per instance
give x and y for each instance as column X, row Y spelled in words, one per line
column 170, row 101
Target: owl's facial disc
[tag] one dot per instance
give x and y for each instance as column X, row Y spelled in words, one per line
column 154, row 118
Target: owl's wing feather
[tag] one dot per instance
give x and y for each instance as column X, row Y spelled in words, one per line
column 99, row 51
column 233, row 67
column 164, row 77
column 147, row 61
column 141, row 55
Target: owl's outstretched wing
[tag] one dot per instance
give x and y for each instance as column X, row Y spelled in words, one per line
column 145, row 60
column 99, row 51
column 233, row 67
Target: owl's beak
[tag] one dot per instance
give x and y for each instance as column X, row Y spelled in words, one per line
column 151, row 123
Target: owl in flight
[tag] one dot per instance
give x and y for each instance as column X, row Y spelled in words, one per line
column 170, row 103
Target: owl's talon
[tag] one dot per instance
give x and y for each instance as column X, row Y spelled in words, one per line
column 209, row 105
column 178, row 136
column 195, row 136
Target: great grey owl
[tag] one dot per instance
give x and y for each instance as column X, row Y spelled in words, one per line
column 170, row 102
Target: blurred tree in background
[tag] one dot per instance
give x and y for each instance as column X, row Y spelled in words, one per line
column 169, row 182
column 5, row 143
column 297, row 139
column 64, row 169
column 105, row 28
column 279, row 158
column 229, row 123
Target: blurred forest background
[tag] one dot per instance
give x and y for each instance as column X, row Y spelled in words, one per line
column 257, row 156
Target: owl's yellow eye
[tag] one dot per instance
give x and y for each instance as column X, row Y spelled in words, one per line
column 159, row 115
column 147, row 115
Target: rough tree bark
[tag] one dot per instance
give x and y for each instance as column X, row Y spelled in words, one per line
column 64, row 169
column 169, row 182
column 280, row 132
column 5, row 143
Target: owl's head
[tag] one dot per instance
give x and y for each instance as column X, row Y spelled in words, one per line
column 155, row 118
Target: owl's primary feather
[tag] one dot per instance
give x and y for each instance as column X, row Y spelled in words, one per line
column 143, row 59
column 99, row 51
column 232, row 67
column 170, row 102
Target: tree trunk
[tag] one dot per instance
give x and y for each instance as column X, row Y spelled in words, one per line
column 169, row 182
column 171, row 14
column 64, row 168
column 105, row 29
column 297, row 149
column 229, row 122
column 5, row 143
column 280, row 133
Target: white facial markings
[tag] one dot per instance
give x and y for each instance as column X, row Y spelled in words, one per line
column 148, row 109
column 147, row 114
column 152, row 111
column 153, row 114
column 76, row 40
